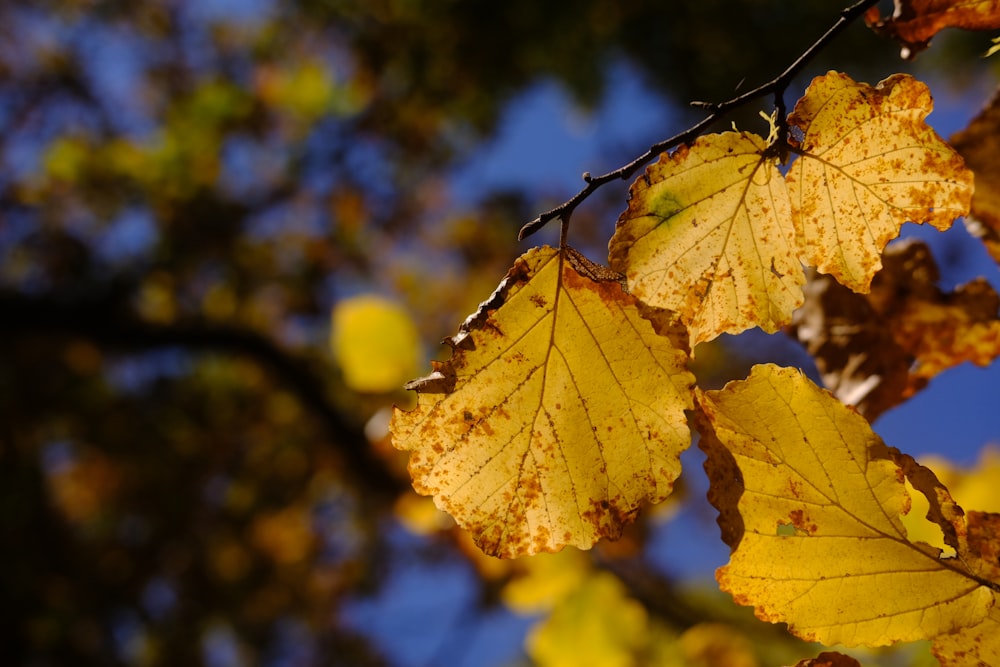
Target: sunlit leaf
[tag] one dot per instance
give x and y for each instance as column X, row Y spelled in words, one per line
column 715, row 233
column 545, row 580
column 868, row 164
column 559, row 414
column 979, row 144
column 961, row 326
column 973, row 486
column 419, row 514
column 598, row 624
column 915, row 22
column 708, row 233
column 375, row 343
column 810, row 502
column 978, row 645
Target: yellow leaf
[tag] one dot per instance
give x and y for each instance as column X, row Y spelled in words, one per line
column 306, row 91
column 717, row 645
column 918, row 528
column 545, row 580
column 975, row 486
column 868, row 163
column 708, row 233
column 375, row 343
column 559, row 414
column 597, row 626
column 810, row 502
column 978, row 645
column 715, row 233
column 419, row 514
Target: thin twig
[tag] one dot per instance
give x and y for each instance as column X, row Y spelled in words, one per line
column 775, row 86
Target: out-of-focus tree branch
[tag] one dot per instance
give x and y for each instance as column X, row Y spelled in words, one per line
column 106, row 322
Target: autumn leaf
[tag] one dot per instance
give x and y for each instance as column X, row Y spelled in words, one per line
column 915, row 22
column 868, row 163
column 810, row 499
column 961, row 326
column 716, row 645
column 857, row 358
column 559, row 414
column 419, row 514
column 715, row 233
column 375, row 343
column 878, row 349
column 545, row 580
column 979, row 144
column 597, row 624
column 978, row 645
column 976, row 487
column 708, row 233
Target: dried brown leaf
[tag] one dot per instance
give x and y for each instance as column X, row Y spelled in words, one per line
column 979, row 144
column 915, row 22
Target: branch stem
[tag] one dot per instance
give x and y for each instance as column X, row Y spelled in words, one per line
column 775, row 86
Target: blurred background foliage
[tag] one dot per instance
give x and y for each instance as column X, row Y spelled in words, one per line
column 227, row 236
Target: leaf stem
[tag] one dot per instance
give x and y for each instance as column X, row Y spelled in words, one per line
column 777, row 86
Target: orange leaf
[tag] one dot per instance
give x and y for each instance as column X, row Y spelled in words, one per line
column 979, row 144
column 876, row 350
column 915, row 22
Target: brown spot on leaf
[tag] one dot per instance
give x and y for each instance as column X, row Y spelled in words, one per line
column 801, row 522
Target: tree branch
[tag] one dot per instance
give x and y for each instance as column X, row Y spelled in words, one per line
column 105, row 322
column 775, row 86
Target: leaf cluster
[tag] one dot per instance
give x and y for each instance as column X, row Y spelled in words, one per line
column 561, row 412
